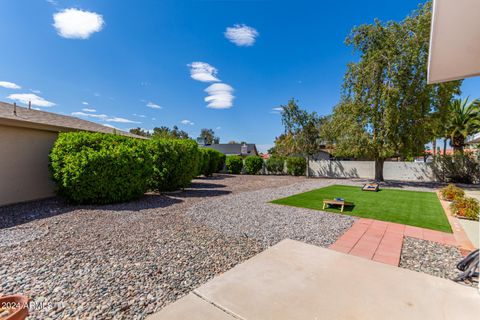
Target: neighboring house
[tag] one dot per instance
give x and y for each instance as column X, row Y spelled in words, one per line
column 245, row 149
column 26, row 138
column 475, row 139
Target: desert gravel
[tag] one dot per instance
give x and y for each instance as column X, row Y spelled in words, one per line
column 120, row 261
column 431, row 258
column 128, row 260
column 250, row 214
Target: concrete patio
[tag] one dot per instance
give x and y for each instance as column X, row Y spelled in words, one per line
column 294, row 280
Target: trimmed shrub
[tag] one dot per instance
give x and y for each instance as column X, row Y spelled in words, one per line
column 466, row 208
column 253, row 164
column 234, row 164
column 275, row 165
column 296, row 166
column 176, row 163
column 99, row 168
column 452, row 192
column 212, row 161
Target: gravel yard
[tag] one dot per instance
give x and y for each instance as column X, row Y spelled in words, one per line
column 249, row 214
column 128, row 260
column 430, row 257
column 118, row 261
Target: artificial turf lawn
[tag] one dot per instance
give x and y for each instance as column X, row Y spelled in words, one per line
column 415, row 208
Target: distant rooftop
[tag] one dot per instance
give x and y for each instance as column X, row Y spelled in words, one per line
column 234, row 148
column 49, row 121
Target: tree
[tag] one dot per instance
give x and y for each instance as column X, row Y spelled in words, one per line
column 140, row 132
column 464, row 121
column 443, row 95
column 301, row 132
column 386, row 104
column 167, row 133
column 208, row 136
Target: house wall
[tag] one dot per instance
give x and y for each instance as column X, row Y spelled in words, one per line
column 405, row 171
column 24, row 173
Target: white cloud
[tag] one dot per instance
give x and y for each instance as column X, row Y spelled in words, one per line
column 241, row 35
column 36, row 91
column 85, row 103
column 139, row 115
column 83, row 114
column 153, row 105
column 218, row 128
column 277, row 110
column 9, row 85
column 120, row 120
column 30, row 97
column 77, row 24
column 187, row 122
column 89, row 110
column 202, row 71
column 219, row 96
column 103, row 117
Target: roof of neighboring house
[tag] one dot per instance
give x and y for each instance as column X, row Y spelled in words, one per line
column 234, row 148
column 49, row 121
column 475, row 139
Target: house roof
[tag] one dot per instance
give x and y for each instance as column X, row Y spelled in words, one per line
column 234, row 148
column 475, row 139
column 49, row 121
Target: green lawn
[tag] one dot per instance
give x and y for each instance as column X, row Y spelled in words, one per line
column 415, row 208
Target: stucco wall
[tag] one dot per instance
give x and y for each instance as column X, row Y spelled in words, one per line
column 24, row 173
column 406, row 171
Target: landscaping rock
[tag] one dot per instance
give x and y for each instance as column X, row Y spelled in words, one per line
column 431, row 258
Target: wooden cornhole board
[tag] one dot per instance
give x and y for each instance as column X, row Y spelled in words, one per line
column 341, row 203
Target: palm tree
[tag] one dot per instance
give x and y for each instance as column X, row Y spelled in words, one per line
column 464, row 121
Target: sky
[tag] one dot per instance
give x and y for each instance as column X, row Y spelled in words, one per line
column 221, row 64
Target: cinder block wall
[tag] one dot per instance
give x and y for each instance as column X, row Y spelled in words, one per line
column 405, row 171
column 24, row 173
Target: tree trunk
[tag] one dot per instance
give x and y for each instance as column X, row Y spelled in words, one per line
column 444, row 146
column 434, row 146
column 379, row 169
column 307, row 174
column 457, row 143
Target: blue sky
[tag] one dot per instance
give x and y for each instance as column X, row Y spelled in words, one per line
column 149, row 63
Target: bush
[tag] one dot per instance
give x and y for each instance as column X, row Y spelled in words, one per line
column 466, row 208
column 296, row 166
column 275, row 165
column 212, row 161
column 253, row 164
column 176, row 163
column 452, row 192
column 460, row 168
column 100, row 168
column 234, row 164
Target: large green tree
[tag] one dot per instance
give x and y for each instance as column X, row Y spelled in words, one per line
column 208, row 136
column 167, row 133
column 386, row 107
column 302, row 135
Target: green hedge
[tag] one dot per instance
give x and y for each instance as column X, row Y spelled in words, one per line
column 175, row 161
column 253, row 164
column 211, row 161
column 100, row 168
column 275, row 165
column 234, row 164
column 296, row 166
